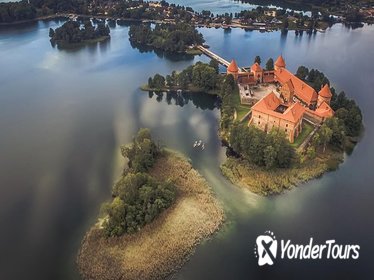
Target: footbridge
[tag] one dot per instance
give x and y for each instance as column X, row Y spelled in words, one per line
column 214, row 56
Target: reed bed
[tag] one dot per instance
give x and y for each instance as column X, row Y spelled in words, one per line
column 163, row 246
column 266, row 182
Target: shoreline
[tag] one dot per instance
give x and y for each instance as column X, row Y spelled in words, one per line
column 160, row 248
column 267, row 28
column 276, row 181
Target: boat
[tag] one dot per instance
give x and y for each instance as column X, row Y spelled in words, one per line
column 195, row 144
column 203, row 147
column 199, row 143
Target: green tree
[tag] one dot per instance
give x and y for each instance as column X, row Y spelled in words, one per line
column 257, row 59
column 270, row 156
column 270, row 64
column 302, row 72
column 325, row 134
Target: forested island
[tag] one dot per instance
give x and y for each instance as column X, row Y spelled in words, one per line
column 160, row 210
column 71, row 34
column 267, row 163
column 179, row 37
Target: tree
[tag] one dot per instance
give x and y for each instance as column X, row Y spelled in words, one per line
column 270, row 64
column 51, row 32
column 214, row 64
column 270, row 156
column 158, row 82
column 302, row 72
column 325, row 134
column 258, row 59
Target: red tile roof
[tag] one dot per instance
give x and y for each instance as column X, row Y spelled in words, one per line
column 280, row 62
column 302, row 90
column 233, row 67
column 325, row 91
column 256, row 67
column 324, row 110
column 270, row 102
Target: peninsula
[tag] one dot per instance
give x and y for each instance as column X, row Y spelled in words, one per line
column 281, row 129
column 161, row 210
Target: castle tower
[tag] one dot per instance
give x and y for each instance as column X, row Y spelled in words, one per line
column 233, row 69
column 257, row 72
column 324, row 95
column 279, row 63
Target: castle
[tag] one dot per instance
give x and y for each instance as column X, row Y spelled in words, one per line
column 287, row 106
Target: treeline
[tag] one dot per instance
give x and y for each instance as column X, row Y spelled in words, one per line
column 346, row 110
column 167, row 37
column 15, row 11
column 71, row 32
column 142, row 10
column 271, row 150
column 27, row 10
column 137, row 198
column 201, row 76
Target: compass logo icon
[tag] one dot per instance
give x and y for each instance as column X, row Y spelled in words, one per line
column 266, row 248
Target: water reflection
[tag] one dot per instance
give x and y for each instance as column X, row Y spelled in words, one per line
column 199, row 100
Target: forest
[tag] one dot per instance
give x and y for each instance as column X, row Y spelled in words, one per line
column 138, row 198
column 167, row 37
column 71, row 32
column 347, row 112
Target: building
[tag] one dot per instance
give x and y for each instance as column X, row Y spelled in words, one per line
column 291, row 89
column 271, row 113
column 294, row 99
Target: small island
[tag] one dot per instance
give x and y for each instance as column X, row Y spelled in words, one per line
column 281, row 129
column 161, row 210
column 71, row 34
column 172, row 38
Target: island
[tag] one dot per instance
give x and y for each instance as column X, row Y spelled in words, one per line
column 71, row 34
column 281, row 129
column 172, row 38
column 161, row 210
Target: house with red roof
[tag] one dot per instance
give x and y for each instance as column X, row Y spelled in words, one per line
column 270, row 113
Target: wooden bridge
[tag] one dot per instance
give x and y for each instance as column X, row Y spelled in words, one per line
column 214, row 56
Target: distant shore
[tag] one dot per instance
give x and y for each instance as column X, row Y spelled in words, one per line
column 104, row 17
column 163, row 246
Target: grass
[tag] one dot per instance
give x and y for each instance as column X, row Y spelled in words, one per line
column 266, row 182
column 193, row 52
column 307, row 129
column 241, row 110
column 164, row 245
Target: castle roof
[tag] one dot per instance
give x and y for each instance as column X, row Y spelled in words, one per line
column 233, row 67
column 325, row 91
column 269, row 103
column 324, row 110
column 256, row 67
column 280, row 62
column 302, row 90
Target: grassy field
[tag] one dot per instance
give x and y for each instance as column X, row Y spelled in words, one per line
column 241, row 110
column 307, row 129
column 164, row 245
column 266, row 182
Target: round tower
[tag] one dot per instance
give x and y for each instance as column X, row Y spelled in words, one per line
column 279, row 63
column 324, row 95
column 233, row 69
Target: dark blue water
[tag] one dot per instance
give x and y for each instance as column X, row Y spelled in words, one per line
column 63, row 115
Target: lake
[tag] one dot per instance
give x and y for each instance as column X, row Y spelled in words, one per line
column 64, row 114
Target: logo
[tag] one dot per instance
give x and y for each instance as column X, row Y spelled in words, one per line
column 266, row 248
